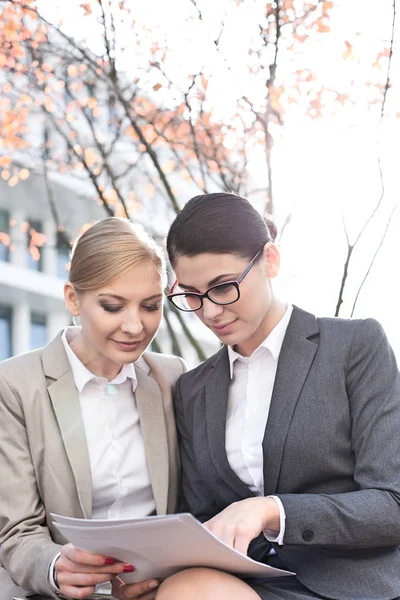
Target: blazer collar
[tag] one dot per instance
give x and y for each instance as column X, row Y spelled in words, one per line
column 295, row 359
column 151, row 391
column 298, row 351
column 65, row 399
column 217, row 391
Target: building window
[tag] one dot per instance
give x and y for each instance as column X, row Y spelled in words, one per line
column 34, row 242
column 38, row 331
column 5, row 332
column 63, row 257
column 4, row 236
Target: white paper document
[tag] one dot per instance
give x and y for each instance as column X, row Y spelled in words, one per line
column 159, row 546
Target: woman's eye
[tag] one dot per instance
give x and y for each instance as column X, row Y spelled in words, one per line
column 152, row 307
column 112, row 308
column 222, row 289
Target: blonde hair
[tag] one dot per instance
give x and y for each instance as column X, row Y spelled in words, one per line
column 107, row 249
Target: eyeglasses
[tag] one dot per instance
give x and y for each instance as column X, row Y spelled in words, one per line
column 221, row 294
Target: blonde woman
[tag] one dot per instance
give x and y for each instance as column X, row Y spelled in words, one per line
column 87, row 427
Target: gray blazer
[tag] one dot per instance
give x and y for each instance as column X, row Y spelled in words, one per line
column 331, row 454
column 44, row 461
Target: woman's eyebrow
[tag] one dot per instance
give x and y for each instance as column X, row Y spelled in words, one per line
column 209, row 284
column 112, row 295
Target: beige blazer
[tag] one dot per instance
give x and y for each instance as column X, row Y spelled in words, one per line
column 44, row 463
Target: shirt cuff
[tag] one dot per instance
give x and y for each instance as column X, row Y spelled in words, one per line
column 52, row 572
column 275, row 536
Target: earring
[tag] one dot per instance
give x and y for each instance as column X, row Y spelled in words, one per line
column 76, row 321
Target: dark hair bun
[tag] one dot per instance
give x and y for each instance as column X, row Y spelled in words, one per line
column 272, row 228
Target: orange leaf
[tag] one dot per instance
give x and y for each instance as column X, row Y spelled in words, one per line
column 87, row 8
column 348, row 53
column 34, row 252
column 72, row 70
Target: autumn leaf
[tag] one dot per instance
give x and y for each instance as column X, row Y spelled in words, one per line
column 341, row 98
column 348, row 53
column 87, row 8
column 72, row 70
column 49, row 104
column 35, row 253
column 5, row 239
column 157, row 87
column 5, row 161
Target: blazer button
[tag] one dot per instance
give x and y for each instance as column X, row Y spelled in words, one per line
column 308, row 535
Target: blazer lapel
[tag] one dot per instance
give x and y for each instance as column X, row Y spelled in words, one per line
column 150, row 405
column 217, row 390
column 295, row 360
column 65, row 400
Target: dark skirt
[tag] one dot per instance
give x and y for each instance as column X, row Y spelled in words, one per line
column 285, row 588
column 282, row 588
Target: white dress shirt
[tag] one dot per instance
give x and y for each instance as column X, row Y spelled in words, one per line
column 249, row 401
column 121, row 486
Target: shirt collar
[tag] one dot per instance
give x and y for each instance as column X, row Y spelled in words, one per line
column 273, row 342
column 82, row 375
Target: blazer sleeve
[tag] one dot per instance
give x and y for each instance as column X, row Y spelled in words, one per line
column 370, row 516
column 26, row 549
column 195, row 497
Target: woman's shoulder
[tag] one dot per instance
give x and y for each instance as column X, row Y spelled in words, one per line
column 19, row 375
column 169, row 365
column 21, row 365
column 24, row 368
column 163, row 359
column 367, row 328
column 338, row 328
column 203, row 370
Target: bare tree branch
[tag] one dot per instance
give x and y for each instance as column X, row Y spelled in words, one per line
column 382, row 194
column 373, row 259
column 50, row 196
column 194, row 342
column 106, row 163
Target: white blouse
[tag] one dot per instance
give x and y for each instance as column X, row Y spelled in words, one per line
column 121, row 486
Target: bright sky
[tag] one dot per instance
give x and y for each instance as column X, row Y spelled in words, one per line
column 325, row 170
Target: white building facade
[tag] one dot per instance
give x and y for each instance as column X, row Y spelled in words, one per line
column 32, row 308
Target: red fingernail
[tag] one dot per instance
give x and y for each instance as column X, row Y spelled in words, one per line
column 109, row 561
column 128, row 569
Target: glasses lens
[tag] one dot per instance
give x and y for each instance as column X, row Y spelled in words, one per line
column 186, row 302
column 225, row 293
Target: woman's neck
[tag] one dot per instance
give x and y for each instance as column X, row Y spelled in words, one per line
column 271, row 319
column 95, row 362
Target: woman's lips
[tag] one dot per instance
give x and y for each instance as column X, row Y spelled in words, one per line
column 128, row 346
column 224, row 328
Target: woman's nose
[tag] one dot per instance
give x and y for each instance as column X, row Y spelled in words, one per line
column 132, row 325
column 211, row 310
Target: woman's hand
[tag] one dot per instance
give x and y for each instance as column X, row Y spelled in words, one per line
column 242, row 521
column 145, row 590
column 77, row 572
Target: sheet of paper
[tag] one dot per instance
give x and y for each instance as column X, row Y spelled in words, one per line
column 160, row 546
column 105, row 522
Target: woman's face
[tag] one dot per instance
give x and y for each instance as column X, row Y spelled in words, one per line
column 120, row 319
column 246, row 323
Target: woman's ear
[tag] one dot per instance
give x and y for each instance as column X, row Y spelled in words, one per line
column 273, row 258
column 71, row 299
